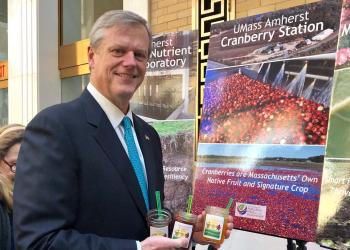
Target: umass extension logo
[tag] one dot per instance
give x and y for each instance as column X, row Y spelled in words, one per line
column 242, row 209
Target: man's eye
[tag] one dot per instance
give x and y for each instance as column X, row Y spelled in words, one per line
column 140, row 56
column 118, row 52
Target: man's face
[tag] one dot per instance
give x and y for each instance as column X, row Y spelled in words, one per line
column 118, row 65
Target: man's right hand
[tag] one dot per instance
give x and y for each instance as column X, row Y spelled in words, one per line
column 162, row 243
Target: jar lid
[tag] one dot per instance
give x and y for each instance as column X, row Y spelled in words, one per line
column 159, row 217
column 217, row 210
column 187, row 216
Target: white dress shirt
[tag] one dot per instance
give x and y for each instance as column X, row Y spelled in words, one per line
column 115, row 116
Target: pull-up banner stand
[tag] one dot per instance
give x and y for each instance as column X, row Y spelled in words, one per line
column 265, row 116
column 334, row 214
column 166, row 100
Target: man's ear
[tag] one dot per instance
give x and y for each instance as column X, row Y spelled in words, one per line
column 91, row 54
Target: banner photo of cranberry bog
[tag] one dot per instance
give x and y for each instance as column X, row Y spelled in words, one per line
column 265, row 118
column 334, row 213
column 166, row 99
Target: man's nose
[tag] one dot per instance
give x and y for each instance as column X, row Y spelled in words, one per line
column 129, row 59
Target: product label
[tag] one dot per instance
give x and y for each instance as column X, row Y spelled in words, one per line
column 159, row 231
column 181, row 230
column 213, row 226
column 250, row 211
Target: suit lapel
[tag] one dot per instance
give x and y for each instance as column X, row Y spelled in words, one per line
column 108, row 140
column 145, row 142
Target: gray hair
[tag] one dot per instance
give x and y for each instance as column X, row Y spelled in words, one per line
column 113, row 18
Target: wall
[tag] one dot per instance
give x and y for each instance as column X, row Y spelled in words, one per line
column 170, row 15
column 252, row 7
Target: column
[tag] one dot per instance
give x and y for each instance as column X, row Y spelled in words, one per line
column 33, row 82
column 140, row 7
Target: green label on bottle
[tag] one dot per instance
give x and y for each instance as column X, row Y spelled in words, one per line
column 213, row 226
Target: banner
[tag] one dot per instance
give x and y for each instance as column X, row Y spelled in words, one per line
column 168, row 91
column 166, row 100
column 334, row 214
column 265, row 115
column 177, row 139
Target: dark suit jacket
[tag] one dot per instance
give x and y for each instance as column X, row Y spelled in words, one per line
column 5, row 228
column 75, row 187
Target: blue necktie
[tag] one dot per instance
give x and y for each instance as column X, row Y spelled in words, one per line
column 134, row 158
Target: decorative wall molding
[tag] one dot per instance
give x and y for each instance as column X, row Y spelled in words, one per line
column 209, row 12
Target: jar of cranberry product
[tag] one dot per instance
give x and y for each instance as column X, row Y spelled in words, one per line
column 184, row 226
column 158, row 221
column 215, row 225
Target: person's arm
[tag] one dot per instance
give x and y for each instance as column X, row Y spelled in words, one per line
column 46, row 192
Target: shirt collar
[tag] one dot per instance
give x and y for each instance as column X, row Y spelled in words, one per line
column 114, row 114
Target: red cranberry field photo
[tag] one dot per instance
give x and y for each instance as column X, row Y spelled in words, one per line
column 273, row 103
column 276, row 189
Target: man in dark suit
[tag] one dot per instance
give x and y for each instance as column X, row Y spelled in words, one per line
column 77, row 186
